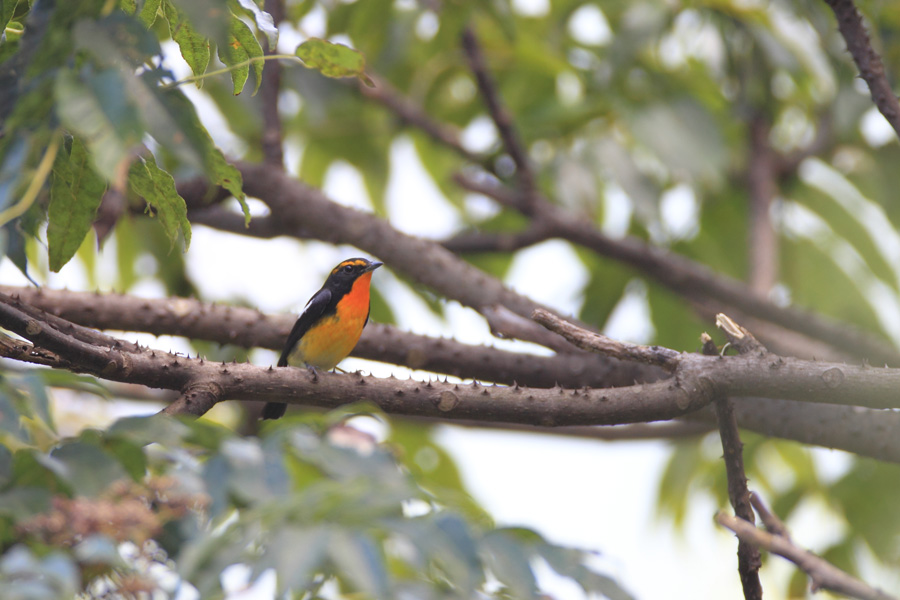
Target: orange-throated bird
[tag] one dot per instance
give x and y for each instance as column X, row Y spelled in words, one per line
column 331, row 323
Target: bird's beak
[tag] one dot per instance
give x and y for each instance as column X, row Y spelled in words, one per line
column 372, row 266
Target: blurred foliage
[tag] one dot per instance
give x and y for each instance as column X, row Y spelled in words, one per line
column 636, row 115
column 152, row 503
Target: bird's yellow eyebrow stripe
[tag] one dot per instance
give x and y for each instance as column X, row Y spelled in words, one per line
column 355, row 262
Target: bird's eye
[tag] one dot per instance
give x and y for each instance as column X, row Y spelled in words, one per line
column 348, row 269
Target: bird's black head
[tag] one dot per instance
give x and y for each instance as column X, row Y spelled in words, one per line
column 348, row 271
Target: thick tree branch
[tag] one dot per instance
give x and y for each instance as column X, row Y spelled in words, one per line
column 865, row 432
column 823, row 574
column 861, row 431
column 734, row 376
column 250, row 328
column 850, row 24
column 529, row 406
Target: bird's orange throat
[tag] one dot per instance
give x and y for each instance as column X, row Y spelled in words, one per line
column 357, row 299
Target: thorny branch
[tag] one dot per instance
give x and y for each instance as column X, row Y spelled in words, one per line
column 865, row 432
column 851, row 26
column 697, row 379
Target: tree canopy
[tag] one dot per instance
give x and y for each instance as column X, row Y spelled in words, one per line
column 723, row 166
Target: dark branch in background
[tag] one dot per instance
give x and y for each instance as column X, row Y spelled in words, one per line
column 695, row 281
column 502, row 118
column 850, row 24
column 478, row 241
column 749, row 560
column 411, row 113
column 786, row 165
column 273, row 152
column 823, row 575
column 861, row 431
column 762, row 188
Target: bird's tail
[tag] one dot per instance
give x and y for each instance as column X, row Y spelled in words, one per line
column 274, row 410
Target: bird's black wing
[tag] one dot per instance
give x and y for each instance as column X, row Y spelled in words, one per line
column 315, row 308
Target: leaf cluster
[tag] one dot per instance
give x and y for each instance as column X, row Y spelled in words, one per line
column 313, row 499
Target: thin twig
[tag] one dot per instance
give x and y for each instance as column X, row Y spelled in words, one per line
column 749, row 560
column 773, row 524
column 479, row 241
column 597, row 342
column 269, row 90
column 410, row 112
column 850, row 24
column 502, row 118
column 824, row 575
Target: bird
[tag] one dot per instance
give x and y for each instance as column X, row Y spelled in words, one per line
column 330, row 325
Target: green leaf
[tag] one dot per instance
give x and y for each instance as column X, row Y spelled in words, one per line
column 159, row 429
column 172, row 120
column 7, row 10
column 333, row 60
column 92, row 105
column 242, row 46
column 509, row 562
column 360, row 561
column 264, row 21
column 208, row 17
column 22, row 502
column 86, row 468
column 157, row 188
column 75, row 194
column 149, row 12
column 194, row 46
column 571, row 563
column 116, row 40
column 296, row 554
